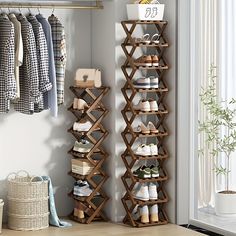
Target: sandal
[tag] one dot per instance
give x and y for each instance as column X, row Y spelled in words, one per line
column 144, row 39
column 155, row 39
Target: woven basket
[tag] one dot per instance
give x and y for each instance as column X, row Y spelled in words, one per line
column 27, row 207
column 27, row 187
column 27, row 202
column 25, row 223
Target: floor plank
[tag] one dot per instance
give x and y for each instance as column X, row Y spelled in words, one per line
column 106, row 229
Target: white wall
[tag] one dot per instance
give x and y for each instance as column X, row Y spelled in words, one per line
column 39, row 143
column 108, row 33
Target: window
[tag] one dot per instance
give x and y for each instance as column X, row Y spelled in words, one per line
column 213, row 43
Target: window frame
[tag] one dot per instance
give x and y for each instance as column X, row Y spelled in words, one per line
column 187, row 119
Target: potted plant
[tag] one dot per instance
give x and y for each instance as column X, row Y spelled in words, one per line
column 219, row 128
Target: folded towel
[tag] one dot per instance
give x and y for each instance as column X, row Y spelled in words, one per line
column 53, row 218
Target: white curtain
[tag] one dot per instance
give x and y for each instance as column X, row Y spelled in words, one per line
column 216, row 44
column 227, row 68
column 206, row 46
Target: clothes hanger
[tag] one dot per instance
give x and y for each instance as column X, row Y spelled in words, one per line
column 38, row 10
column 53, row 10
column 30, row 13
column 19, row 8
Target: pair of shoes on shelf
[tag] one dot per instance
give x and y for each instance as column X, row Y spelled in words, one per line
column 147, row 60
column 149, row 214
column 82, row 210
column 146, row 105
column 83, row 146
column 146, row 150
column 147, row 39
column 146, row 83
column 82, row 189
column 80, row 104
column 146, row 192
column 82, row 126
column 79, row 213
column 144, row 172
column 150, row 128
column 146, row 214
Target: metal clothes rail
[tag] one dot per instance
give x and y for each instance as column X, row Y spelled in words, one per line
column 97, row 5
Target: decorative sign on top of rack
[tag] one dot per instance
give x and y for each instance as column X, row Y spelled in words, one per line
column 54, row 4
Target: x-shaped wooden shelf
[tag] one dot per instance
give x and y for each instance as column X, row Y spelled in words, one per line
column 129, row 113
column 95, row 113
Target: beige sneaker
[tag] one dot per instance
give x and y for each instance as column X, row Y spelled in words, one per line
column 143, row 61
column 78, row 213
column 153, row 105
column 154, row 213
column 152, row 128
column 81, row 104
column 82, row 126
column 155, row 60
column 144, row 212
column 142, row 129
column 143, row 106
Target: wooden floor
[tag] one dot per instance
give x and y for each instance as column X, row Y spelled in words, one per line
column 106, row 229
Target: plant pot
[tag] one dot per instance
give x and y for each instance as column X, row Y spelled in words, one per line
column 1, row 212
column 225, row 204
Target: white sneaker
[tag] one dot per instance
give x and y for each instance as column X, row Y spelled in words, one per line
column 153, row 149
column 82, row 126
column 143, row 150
column 152, row 191
column 154, row 82
column 82, row 189
column 144, row 212
column 142, row 193
column 154, row 213
column 142, row 106
column 143, row 83
column 153, row 105
column 83, row 146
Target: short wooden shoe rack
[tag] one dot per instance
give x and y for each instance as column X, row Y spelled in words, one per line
column 93, row 204
column 129, row 135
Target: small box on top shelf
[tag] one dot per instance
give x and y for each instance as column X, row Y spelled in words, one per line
column 146, row 10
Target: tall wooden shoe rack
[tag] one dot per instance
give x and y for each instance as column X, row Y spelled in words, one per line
column 130, row 114
column 92, row 205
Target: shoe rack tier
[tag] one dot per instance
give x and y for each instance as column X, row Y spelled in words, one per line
column 129, row 113
column 91, row 206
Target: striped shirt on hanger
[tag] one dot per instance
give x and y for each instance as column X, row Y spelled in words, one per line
column 50, row 98
column 42, row 56
column 59, row 46
column 7, row 58
column 18, row 50
column 29, row 76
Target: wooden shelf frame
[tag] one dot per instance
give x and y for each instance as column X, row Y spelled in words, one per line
column 129, row 114
column 96, row 112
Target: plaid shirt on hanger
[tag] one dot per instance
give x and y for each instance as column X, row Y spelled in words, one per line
column 7, row 64
column 59, row 46
column 29, row 76
column 42, row 55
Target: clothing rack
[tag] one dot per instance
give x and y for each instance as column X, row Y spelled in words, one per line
column 20, row 5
